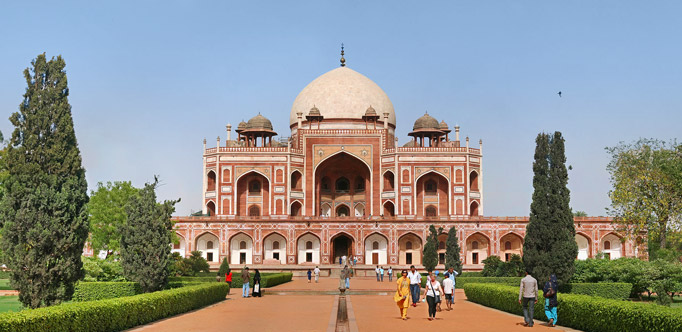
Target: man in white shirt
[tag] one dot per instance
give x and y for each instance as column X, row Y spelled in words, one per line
column 317, row 274
column 377, row 272
column 449, row 290
column 415, row 284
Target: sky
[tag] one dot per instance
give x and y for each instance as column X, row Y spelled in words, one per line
column 149, row 80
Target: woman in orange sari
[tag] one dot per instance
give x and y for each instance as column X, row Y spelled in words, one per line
column 402, row 295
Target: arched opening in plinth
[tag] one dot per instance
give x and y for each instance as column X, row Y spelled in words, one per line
column 241, row 249
column 208, row 244
column 181, row 246
column 275, row 249
column 442, row 240
column 296, row 209
column 342, row 245
column 376, row 250
column 611, row 246
column 409, row 250
column 478, row 249
column 308, row 249
column 510, row 244
column 389, row 209
column 583, row 246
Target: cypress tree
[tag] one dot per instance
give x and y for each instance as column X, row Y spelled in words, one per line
column 452, row 259
column 224, row 267
column 431, row 249
column 43, row 215
column 535, row 249
column 549, row 246
column 146, row 239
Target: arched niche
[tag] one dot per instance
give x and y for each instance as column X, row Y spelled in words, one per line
column 376, row 250
column 208, row 244
column 241, row 249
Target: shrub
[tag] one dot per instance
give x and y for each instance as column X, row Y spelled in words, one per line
column 102, row 269
column 461, row 281
column 196, row 263
column 267, row 279
column 224, row 267
column 471, row 274
column 91, row 291
column 583, row 312
column 609, row 290
column 114, row 314
column 490, row 266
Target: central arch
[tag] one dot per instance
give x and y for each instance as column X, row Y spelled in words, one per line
column 341, row 179
column 433, row 191
column 342, row 245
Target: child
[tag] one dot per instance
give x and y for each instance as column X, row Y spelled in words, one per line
column 310, row 275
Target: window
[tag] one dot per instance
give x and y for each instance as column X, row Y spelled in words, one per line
column 275, row 245
column 473, row 181
column 210, row 185
column 209, row 245
column 176, row 245
column 474, row 258
column 441, row 258
column 430, row 187
column 474, row 245
column 342, row 185
column 296, row 181
column 254, row 211
column 375, row 245
column 359, row 184
column 242, row 245
column 431, row 211
column 325, row 185
column 607, row 245
column 441, row 245
column 254, row 187
column 507, row 245
column 342, row 211
column 309, row 245
column 408, row 245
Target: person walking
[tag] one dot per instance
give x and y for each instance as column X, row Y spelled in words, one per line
column 528, row 297
column 228, row 280
column 432, row 292
column 317, row 274
column 342, row 278
column 402, row 294
column 549, row 293
column 376, row 270
column 448, row 290
column 256, row 285
column 245, row 282
column 453, row 274
column 355, row 261
column 381, row 273
column 349, row 273
column 310, row 275
column 415, row 284
column 340, row 261
column 390, row 274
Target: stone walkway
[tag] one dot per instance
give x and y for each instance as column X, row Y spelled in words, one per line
column 312, row 307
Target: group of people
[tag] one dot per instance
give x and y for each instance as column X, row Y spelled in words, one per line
column 315, row 272
column 528, row 298
column 344, row 260
column 246, row 282
column 409, row 290
column 380, row 273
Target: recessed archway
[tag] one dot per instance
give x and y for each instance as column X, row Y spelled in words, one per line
column 410, row 250
column 432, row 190
column 296, row 209
column 376, row 249
column 208, row 244
column 253, row 189
column 510, row 244
column 473, row 209
column 181, row 246
column 477, row 249
column 389, row 209
column 342, row 178
column 308, row 249
column 583, row 246
column 611, row 246
column 241, row 249
column 342, row 245
column 275, row 249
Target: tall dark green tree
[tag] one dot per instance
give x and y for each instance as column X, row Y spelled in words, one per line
column 431, row 248
column 549, row 246
column 452, row 259
column 43, row 215
column 146, row 239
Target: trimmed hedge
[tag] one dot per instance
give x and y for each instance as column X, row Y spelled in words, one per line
column 608, row 290
column 91, row 291
column 114, row 314
column 267, row 279
column 461, row 281
column 583, row 312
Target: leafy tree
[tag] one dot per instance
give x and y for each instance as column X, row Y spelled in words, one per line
column 513, row 268
column 102, row 269
column 197, row 263
column 107, row 214
column 43, row 212
column 452, row 259
column 647, row 189
column 490, row 266
column 431, row 249
column 549, row 246
column 178, row 267
column 224, row 267
column 146, row 239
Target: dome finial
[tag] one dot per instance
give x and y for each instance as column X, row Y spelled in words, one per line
column 343, row 61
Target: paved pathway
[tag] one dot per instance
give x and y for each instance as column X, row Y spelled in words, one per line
column 302, row 310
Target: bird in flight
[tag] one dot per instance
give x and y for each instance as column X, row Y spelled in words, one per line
column 559, row 93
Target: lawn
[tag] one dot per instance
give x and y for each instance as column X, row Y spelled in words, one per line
column 4, row 284
column 9, row 303
column 677, row 301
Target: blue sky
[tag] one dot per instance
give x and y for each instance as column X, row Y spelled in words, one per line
column 150, row 79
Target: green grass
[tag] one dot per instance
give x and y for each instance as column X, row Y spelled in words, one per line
column 4, row 284
column 677, row 300
column 10, row 303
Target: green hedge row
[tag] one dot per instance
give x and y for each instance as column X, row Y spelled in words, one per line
column 91, row 291
column 461, row 281
column 114, row 314
column 583, row 312
column 267, row 279
column 609, row 290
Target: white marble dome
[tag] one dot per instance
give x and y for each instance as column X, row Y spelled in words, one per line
column 342, row 93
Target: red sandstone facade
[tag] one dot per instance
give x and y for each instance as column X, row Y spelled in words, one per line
column 340, row 186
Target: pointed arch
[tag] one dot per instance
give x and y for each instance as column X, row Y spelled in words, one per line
column 181, row 246
column 389, row 209
column 410, row 249
column 208, row 243
column 241, row 248
column 296, row 180
column 211, row 182
column 342, row 210
column 584, row 245
column 510, row 244
column 615, row 248
column 477, row 247
column 440, row 199
column 389, row 180
column 376, row 249
column 210, row 208
column 244, row 193
column 274, row 248
column 473, row 209
column 296, row 208
column 308, row 247
column 474, row 181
